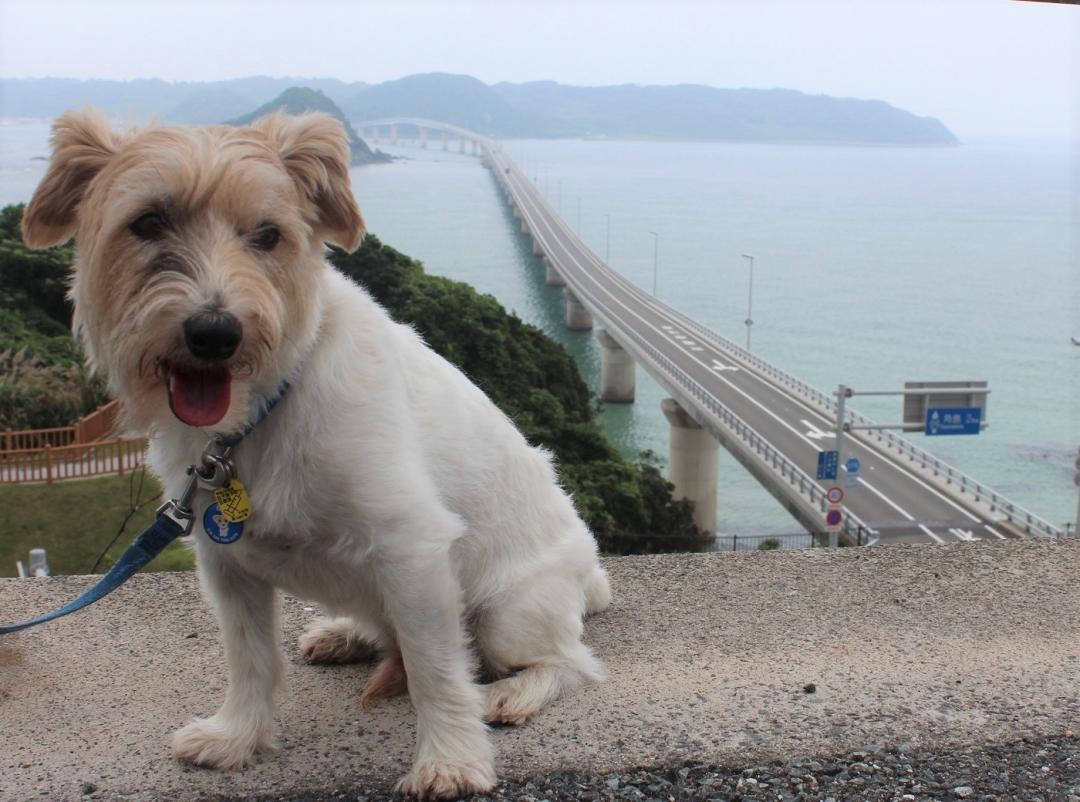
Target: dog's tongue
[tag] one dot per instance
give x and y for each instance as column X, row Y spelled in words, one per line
column 199, row 397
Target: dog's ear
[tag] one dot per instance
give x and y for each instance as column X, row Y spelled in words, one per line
column 82, row 144
column 315, row 151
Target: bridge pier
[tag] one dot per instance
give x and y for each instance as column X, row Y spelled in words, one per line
column 393, row 134
column 461, row 144
column 578, row 318
column 551, row 275
column 537, row 250
column 423, row 138
column 445, row 141
column 693, row 464
column 616, row 371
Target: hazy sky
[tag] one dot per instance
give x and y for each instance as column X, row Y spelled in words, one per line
column 987, row 68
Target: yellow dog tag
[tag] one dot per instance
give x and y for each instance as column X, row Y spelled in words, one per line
column 232, row 499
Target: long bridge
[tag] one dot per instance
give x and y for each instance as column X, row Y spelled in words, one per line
column 774, row 424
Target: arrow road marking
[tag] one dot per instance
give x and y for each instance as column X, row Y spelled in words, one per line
column 813, row 431
column 962, row 534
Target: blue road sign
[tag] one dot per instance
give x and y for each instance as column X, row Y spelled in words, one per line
column 851, row 469
column 953, row 420
column 827, row 464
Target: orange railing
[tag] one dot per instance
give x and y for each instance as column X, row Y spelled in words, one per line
column 69, row 452
column 37, row 438
column 19, row 466
column 98, row 425
column 95, row 426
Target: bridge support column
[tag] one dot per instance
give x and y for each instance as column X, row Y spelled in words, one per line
column 445, row 141
column 537, row 250
column 461, row 144
column 524, row 225
column 551, row 275
column 578, row 318
column 423, row 138
column 693, row 464
column 393, row 134
column 616, row 371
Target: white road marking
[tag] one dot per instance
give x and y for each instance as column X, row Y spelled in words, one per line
column 994, row 532
column 719, row 366
column 935, row 537
column 962, row 534
column 814, row 431
column 659, row 311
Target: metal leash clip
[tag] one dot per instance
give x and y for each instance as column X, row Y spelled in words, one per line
column 215, row 470
column 179, row 510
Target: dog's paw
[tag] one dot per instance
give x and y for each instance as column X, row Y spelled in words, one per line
column 446, row 780
column 334, row 640
column 219, row 744
column 507, row 702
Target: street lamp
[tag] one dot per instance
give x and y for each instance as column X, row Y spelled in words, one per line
column 655, row 259
column 749, row 300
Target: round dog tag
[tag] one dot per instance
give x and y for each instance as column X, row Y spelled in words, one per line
column 218, row 529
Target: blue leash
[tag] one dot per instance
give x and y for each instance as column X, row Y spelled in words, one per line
column 174, row 519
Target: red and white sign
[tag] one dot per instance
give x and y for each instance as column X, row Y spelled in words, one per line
column 833, row 519
column 835, row 495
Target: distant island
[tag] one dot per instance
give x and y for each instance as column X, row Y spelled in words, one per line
column 538, row 109
column 301, row 99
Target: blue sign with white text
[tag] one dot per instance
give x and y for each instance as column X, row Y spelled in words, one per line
column 953, row 420
column 827, row 464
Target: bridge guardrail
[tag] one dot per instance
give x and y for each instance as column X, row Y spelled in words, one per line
column 772, row 456
column 1015, row 514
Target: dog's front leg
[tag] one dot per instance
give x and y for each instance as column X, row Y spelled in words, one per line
column 246, row 608
column 453, row 752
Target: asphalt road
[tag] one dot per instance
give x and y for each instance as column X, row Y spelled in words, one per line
column 888, row 497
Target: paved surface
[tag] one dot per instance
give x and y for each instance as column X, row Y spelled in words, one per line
column 891, row 496
column 907, row 647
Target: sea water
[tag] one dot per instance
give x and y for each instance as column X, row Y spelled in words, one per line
column 872, row 266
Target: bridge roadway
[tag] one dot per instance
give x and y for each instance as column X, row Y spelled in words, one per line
column 771, row 422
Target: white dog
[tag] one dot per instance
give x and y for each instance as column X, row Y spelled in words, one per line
column 384, row 485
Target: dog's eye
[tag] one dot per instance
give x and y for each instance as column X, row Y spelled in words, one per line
column 266, row 238
column 150, row 226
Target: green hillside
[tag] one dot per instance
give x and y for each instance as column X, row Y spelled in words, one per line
column 533, row 109
column 298, row 100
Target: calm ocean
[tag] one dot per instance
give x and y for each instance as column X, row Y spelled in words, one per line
column 873, row 266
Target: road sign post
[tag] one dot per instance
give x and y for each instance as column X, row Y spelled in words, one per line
column 833, row 520
column 827, row 464
column 959, row 408
column 953, row 420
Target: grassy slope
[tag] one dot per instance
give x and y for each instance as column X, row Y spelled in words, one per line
column 74, row 521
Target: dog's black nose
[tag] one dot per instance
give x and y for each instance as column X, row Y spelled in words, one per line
column 212, row 336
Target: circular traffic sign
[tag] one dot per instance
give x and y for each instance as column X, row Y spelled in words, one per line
column 833, row 517
column 835, row 495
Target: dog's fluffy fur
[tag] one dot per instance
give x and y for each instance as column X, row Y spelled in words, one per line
column 385, row 485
